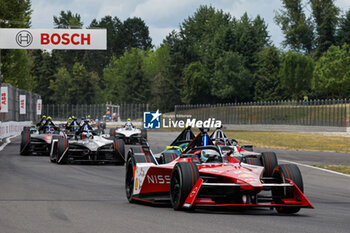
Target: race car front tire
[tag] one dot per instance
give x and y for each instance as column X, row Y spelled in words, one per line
column 292, row 172
column 183, row 178
column 25, row 141
column 62, row 147
column 130, row 178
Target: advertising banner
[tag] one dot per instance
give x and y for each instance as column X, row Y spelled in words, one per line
column 26, row 38
column 4, row 99
column 22, row 104
column 38, row 106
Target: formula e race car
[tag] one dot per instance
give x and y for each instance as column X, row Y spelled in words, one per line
column 86, row 147
column 202, row 176
column 129, row 133
column 38, row 140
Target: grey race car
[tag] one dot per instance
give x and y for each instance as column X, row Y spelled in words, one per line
column 86, row 147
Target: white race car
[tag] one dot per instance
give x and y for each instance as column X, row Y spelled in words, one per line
column 129, row 133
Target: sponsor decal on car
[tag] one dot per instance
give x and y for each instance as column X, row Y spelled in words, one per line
column 158, row 179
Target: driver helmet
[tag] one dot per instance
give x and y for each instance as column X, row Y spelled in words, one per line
column 84, row 135
column 205, row 154
column 50, row 130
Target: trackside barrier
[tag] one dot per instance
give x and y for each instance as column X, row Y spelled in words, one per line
column 12, row 128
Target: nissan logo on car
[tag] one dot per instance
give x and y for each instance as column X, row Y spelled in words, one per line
column 24, row 38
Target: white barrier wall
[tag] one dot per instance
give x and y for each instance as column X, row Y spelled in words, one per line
column 11, row 128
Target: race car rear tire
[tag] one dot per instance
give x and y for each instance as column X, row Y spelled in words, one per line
column 292, row 172
column 183, row 178
column 133, row 149
column 144, row 133
column 25, row 141
column 130, row 178
column 269, row 161
column 119, row 150
column 62, row 146
column 168, row 157
column 253, row 161
column 112, row 132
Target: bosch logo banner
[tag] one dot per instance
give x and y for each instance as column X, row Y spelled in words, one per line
column 24, row 38
column 84, row 39
column 151, row 120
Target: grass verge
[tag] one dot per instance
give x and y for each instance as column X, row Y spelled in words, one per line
column 292, row 140
column 337, row 168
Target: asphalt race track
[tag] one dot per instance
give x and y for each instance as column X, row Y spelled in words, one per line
column 39, row 197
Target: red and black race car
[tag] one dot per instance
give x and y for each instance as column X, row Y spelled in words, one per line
column 202, row 176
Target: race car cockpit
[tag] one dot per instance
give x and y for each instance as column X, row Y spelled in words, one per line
column 203, row 150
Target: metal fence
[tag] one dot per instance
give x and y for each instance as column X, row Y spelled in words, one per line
column 110, row 112
column 13, row 113
column 311, row 113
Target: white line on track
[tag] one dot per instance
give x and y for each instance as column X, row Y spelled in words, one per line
column 8, row 140
column 317, row 168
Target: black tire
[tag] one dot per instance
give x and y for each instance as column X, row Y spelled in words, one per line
column 144, row 133
column 133, row 150
column 292, row 172
column 25, row 142
column 168, row 157
column 112, row 132
column 183, row 178
column 130, row 178
column 269, row 161
column 119, row 150
column 62, row 146
column 253, row 161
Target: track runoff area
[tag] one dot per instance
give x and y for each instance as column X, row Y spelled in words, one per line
column 38, row 196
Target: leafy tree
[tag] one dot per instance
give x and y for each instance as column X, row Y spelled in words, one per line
column 332, row 72
column 15, row 14
column 343, row 32
column 156, row 68
column 97, row 60
column 15, row 64
column 16, row 70
column 84, row 86
column 125, row 79
column 43, row 70
column 61, row 87
column 67, row 20
column 196, row 84
column 325, row 14
column 297, row 29
column 67, row 58
column 134, row 33
column 296, row 73
column 231, row 81
column 267, row 87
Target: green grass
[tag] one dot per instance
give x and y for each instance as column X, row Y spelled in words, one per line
column 292, row 141
column 337, row 168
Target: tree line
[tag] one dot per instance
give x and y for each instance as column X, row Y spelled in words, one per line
column 213, row 57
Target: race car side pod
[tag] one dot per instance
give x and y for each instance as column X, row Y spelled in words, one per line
column 299, row 199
